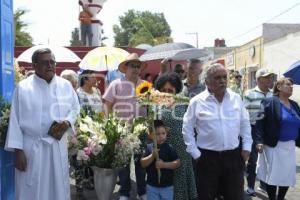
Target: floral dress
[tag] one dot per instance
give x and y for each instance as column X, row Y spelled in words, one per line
column 184, row 179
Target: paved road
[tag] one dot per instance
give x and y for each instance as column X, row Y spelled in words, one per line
column 293, row 193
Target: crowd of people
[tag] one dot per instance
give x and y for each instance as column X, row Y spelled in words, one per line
column 205, row 146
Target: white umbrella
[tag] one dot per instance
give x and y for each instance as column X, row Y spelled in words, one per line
column 173, row 51
column 62, row 54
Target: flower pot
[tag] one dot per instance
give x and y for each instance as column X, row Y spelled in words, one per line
column 104, row 181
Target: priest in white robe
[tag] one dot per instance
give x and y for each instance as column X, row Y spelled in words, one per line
column 42, row 169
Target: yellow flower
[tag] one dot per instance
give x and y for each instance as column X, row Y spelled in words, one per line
column 143, row 88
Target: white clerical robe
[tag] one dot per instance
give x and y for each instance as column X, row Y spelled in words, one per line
column 36, row 104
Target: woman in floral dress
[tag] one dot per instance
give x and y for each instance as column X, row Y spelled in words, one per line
column 184, row 179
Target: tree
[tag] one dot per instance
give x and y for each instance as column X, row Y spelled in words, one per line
column 22, row 38
column 141, row 27
column 75, row 41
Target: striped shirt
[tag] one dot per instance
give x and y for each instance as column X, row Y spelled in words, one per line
column 252, row 100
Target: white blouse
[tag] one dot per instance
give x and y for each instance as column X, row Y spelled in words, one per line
column 93, row 100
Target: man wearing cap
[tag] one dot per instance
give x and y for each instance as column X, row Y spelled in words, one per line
column 120, row 98
column 252, row 100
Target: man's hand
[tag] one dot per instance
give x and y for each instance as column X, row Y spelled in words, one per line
column 259, row 148
column 245, row 155
column 21, row 161
column 60, row 128
column 159, row 164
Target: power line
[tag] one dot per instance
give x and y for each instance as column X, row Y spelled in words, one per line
column 253, row 28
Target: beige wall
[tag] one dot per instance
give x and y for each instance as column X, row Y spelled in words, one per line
column 249, row 54
column 280, row 54
column 246, row 59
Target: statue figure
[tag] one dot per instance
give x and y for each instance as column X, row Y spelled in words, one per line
column 94, row 7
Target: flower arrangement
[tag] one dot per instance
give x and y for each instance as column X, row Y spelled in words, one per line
column 147, row 95
column 104, row 142
column 155, row 100
column 4, row 119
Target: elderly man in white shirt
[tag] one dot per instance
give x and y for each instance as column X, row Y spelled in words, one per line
column 220, row 119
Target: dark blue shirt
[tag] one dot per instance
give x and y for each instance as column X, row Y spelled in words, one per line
column 167, row 154
column 289, row 125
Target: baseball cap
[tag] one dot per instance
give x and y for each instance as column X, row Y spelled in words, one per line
column 263, row 72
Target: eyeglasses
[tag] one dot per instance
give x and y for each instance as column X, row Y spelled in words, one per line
column 135, row 66
column 46, row 62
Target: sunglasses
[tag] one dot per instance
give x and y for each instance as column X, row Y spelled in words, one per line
column 135, row 66
column 46, row 62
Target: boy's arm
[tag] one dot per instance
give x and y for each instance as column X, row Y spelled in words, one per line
column 149, row 156
column 146, row 161
column 174, row 164
column 168, row 165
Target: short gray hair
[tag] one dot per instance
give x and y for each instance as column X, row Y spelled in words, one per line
column 70, row 75
column 38, row 52
column 209, row 70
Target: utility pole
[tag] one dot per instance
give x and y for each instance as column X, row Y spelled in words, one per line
column 194, row 33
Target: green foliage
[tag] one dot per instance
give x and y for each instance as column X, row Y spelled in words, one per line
column 141, row 27
column 22, row 38
column 17, row 71
column 75, row 41
column 4, row 119
column 106, row 158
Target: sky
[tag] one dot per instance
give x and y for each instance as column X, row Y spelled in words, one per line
column 53, row 21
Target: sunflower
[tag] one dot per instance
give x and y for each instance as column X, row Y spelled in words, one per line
column 143, row 88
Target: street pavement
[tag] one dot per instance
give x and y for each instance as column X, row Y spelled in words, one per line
column 293, row 193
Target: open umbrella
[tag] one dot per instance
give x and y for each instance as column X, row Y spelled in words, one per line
column 293, row 72
column 173, row 51
column 103, row 59
column 62, row 54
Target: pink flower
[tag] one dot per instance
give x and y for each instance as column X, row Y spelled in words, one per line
column 81, row 155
